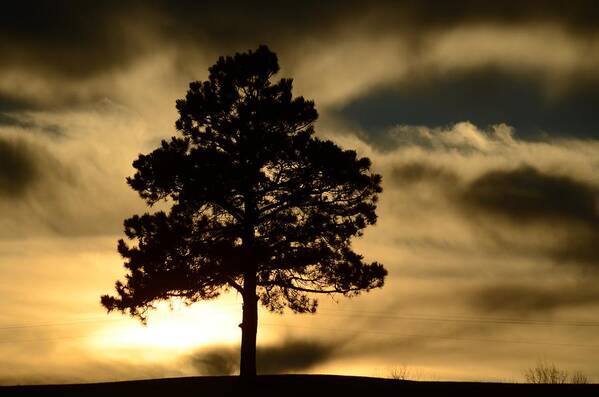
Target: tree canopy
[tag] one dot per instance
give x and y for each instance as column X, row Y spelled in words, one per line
column 256, row 202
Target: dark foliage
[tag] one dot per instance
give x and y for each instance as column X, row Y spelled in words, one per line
column 258, row 203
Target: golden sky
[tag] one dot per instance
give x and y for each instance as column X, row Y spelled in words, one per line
column 480, row 119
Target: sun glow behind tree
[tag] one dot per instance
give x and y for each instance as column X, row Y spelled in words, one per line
column 173, row 330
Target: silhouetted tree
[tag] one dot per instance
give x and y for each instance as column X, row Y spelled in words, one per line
column 257, row 204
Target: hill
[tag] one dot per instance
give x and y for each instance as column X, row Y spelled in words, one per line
column 296, row 385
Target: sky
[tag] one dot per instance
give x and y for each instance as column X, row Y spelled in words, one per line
column 481, row 118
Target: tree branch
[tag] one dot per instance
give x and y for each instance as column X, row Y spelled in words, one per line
column 310, row 290
column 233, row 284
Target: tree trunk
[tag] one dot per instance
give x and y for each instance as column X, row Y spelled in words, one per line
column 249, row 327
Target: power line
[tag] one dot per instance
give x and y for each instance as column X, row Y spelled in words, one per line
column 505, row 321
column 97, row 319
column 528, row 342
column 56, row 324
column 366, row 314
column 353, row 313
column 356, row 331
column 400, row 334
column 2, row 341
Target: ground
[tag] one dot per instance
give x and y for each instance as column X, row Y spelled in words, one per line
column 296, row 385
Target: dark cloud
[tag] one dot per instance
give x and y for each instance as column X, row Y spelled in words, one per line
column 294, row 355
column 544, row 218
column 430, row 14
column 41, row 194
column 68, row 53
column 18, row 167
column 529, row 195
column 303, row 17
column 291, row 355
column 28, row 124
column 530, row 299
column 520, row 195
column 67, row 30
column 522, row 199
column 9, row 102
column 66, row 38
column 77, row 40
column 67, row 41
column 483, row 97
column 413, row 173
column 216, row 361
column 526, row 196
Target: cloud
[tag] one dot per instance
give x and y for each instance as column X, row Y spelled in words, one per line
column 414, row 173
column 216, row 361
column 294, row 355
column 56, row 57
column 19, row 169
column 484, row 97
column 106, row 32
column 291, row 355
column 32, row 181
column 473, row 213
column 85, row 370
column 526, row 194
column 533, row 298
column 61, row 41
column 74, row 184
column 28, row 124
column 513, row 208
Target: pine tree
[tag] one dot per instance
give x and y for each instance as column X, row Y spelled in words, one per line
column 256, row 203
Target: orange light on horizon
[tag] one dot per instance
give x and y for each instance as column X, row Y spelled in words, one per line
column 171, row 332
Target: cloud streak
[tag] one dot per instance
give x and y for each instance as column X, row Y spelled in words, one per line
column 290, row 355
column 54, row 59
column 18, row 168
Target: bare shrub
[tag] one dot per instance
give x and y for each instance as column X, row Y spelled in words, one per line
column 578, row 378
column 544, row 372
column 549, row 373
column 400, row 373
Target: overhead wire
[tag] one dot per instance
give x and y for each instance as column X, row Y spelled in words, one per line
column 356, row 313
